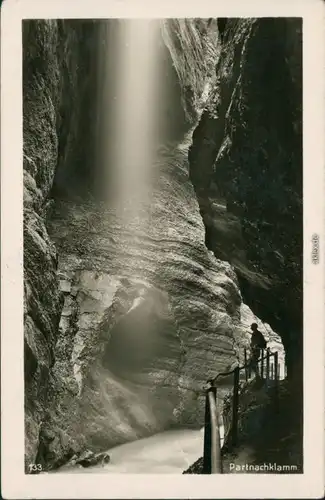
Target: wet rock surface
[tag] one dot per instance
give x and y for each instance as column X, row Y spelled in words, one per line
column 89, row 459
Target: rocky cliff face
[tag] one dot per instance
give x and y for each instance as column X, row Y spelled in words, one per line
column 52, row 84
column 246, row 166
column 127, row 312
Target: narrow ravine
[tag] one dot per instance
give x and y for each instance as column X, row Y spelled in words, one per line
column 137, row 260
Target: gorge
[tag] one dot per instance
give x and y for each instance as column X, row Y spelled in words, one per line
column 162, row 201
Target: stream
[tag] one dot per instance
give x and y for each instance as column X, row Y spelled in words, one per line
column 169, row 452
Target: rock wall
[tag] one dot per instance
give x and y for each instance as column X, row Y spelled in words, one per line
column 51, row 83
column 246, row 166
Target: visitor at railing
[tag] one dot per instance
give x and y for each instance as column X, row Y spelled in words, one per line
column 258, row 343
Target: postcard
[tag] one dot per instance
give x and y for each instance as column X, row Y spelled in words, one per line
column 162, row 249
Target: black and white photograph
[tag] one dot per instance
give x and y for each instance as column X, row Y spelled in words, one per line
column 163, row 246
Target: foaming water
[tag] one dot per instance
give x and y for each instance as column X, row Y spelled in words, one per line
column 167, row 452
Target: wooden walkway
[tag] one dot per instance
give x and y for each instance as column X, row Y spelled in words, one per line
column 267, row 369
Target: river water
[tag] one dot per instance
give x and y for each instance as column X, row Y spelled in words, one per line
column 169, row 452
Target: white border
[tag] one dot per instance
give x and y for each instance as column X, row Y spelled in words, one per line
column 15, row 483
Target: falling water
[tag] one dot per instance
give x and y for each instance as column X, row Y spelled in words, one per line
column 131, row 101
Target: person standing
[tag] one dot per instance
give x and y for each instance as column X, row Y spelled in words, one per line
column 258, row 343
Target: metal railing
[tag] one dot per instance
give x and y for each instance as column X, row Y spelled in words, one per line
column 212, row 445
column 266, row 371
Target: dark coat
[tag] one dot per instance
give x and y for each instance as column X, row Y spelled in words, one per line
column 258, row 340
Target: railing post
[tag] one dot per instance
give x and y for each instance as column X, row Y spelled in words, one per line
column 267, row 366
column 276, row 379
column 262, row 363
column 276, row 368
column 245, row 362
column 207, row 437
column 212, row 449
column 235, row 401
column 257, row 366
